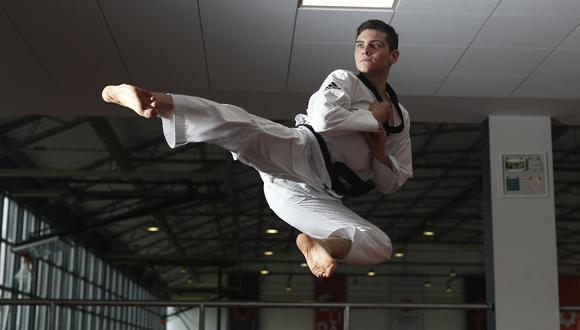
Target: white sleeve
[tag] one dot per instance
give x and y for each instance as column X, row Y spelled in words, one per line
column 398, row 146
column 329, row 109
column 174, row 125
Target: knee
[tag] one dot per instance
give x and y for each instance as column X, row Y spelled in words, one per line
column 369, row 249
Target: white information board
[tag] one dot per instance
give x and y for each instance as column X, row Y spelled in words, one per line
column 524, row 175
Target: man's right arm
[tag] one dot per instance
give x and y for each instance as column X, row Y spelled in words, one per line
column 330, row 110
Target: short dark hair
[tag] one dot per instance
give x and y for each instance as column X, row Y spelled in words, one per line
column 375, row 24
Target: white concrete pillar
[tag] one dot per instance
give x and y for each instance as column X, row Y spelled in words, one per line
column 520, row 226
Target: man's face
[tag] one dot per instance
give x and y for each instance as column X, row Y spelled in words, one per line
column 372, row 53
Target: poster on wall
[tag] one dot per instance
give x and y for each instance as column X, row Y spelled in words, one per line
column 524, row 175
column 475, row 294
column 569, row 290
column 249, row 290
column 331, row 289
column 408, row 291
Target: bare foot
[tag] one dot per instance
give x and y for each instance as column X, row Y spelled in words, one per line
column 319, row 261
column 139, row 100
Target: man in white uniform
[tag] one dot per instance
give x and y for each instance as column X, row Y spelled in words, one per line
column 354, row 137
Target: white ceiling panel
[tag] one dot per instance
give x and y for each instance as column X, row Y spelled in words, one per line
column 72, row 40
column 427, row 60
column 557, row 77
column 572, row 42
column 248, row 49
column 416, row 84
column 525, row 31
column 248, row 66
column 311, row 63
column 333, row 25
column 472, row 85
column 447, row 6
column 251, row 3
column 539, row 7
column 263, row 24
column 167, row 52
column 21, row 74
column 437, row 29
column 516, row 61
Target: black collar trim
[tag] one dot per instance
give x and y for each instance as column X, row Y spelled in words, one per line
column 394, row 100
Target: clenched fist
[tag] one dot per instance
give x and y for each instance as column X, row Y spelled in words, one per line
column 382, row 111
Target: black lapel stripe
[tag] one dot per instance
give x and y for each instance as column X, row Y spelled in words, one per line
column 395, row 100
column 371, row 87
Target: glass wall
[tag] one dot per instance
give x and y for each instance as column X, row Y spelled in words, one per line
column 60, row 270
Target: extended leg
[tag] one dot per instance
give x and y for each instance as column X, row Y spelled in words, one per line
column 145, row 103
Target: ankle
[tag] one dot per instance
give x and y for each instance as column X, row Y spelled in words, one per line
column 338, row 248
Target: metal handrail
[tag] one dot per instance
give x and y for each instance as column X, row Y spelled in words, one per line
column 164, row 303
column 346, row 307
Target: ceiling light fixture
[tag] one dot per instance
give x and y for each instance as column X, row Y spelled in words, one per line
column 271, row 231
column 383, row 4
column 264, row 271
column 268, row 253
column 399, row 253
column 152, row 229
column 428, row 232
column 371, row 273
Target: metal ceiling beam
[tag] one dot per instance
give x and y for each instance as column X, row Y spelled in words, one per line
column 423, row 195
column 141, row 146
column 109, row 138
column 107, row 195
column 112, row 174
column 172, row 260
column 465, row 195
column 51, row 132
column 17, row 123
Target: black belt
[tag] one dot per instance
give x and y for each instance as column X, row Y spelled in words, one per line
column 344, row 181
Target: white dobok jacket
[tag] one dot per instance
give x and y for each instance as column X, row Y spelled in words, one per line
column 339, row 111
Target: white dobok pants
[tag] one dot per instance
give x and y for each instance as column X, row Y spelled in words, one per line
column 291, row 166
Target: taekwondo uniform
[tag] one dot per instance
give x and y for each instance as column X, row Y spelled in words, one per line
column 297, row 184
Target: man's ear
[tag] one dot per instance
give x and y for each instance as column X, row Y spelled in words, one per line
column 394, row 57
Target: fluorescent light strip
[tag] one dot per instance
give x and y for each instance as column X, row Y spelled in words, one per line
column 385, row 4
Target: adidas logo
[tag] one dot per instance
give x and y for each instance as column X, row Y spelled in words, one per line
column 332, row 85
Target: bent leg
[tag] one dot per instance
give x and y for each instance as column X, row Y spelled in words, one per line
column 321, row 254
column 323, row 217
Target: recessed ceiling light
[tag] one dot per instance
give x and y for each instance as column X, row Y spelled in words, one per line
column 272, row 231
column 383, row 4
column 152, row 229
column 428, row 232
column 268, row 253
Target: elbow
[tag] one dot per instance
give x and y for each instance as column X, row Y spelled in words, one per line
column 320, row 125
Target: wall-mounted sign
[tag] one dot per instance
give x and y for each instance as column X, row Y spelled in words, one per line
column 524, row 175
